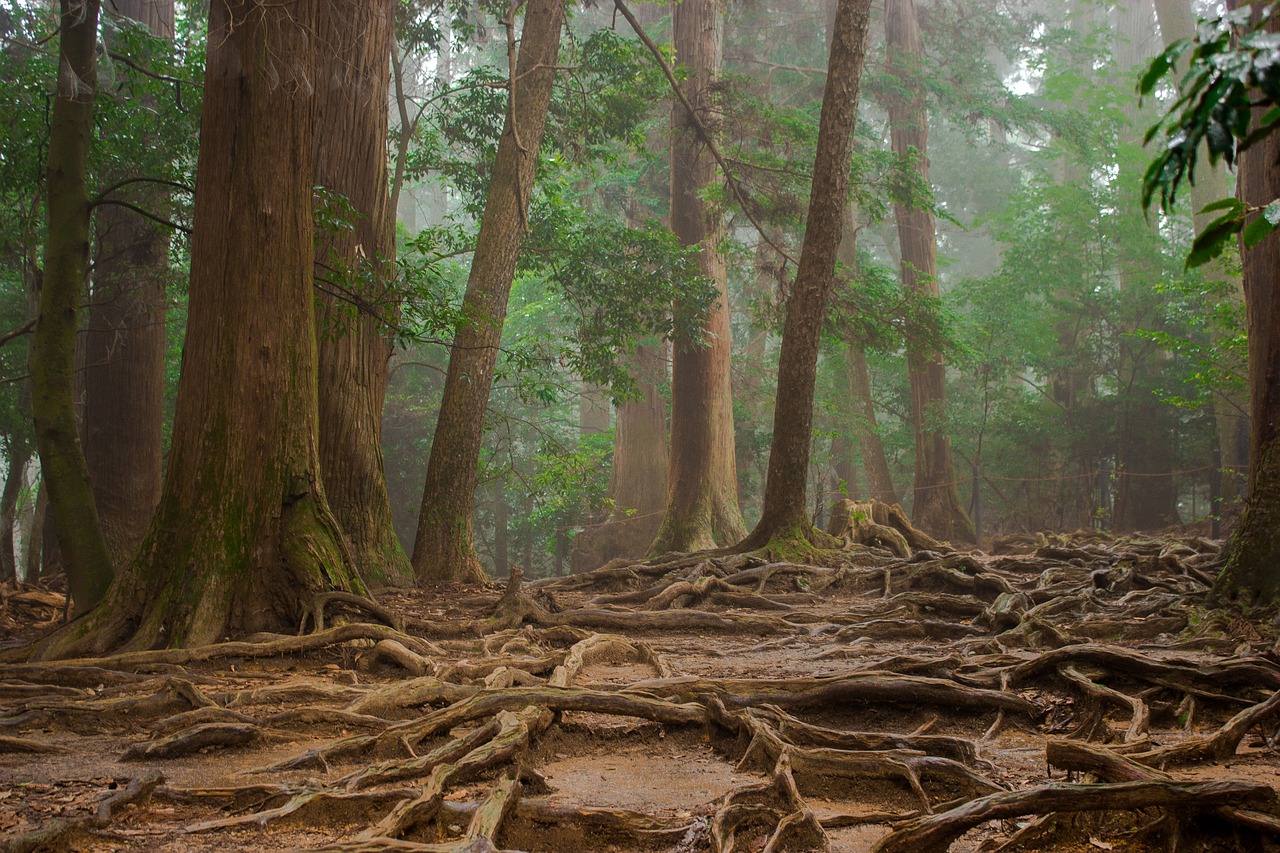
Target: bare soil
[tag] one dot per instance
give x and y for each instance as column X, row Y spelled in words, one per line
column 1064, row 694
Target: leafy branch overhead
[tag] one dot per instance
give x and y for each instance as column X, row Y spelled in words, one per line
column 1227, row 101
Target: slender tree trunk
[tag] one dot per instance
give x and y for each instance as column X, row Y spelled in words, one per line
column 243, row 539
column 18, row 455
column 66, row 474
column 702, row 480
column 785, row 516
column 501, row 559
column 124, row 349
column 444, row 549
column 354, row 42
column 1213, row 182
column 593, row 409
column 937, row 507
column 1252, row 569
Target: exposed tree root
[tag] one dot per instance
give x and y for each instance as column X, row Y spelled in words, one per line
column 56, row 834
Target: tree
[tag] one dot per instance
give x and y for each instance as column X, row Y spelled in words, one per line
column 243, row 538
column 702, row 478
column 784, row 519
column 354, row 259
column 1228, row 100
column 936, row 507
column 124, row 347
column 62, row 461
column 444, row 549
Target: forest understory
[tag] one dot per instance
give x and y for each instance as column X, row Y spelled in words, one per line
column 1070, row 693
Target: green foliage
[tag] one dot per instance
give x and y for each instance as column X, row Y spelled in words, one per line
column 1233, row 59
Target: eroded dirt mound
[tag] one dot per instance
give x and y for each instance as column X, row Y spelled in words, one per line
column 1078, row 697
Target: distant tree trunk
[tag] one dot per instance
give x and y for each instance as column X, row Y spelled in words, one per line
column 18, row 454
column 593, row 409
column 1147, row 493
column 35, row 536
column 874, row 462
column 1213, row 182
column 444, row 549
column 1252, row 569
column 501, row 559
column 124, row 349
column 66, row 474
column 702, row 481
column 354, row 42
column 785, row 516
column 243, row 539
column 936, row 507
column 638, row 478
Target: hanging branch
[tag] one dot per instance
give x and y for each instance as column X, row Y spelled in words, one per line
column 703, row 131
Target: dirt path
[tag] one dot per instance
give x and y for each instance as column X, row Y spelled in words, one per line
column 1077, row 696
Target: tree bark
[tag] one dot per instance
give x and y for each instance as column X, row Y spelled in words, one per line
column 243, row 539
column 702, row 479
column 444, row 549
column 1252, row 569
column 124, row 350
column 638, row 478
column 936, row 507
column 785, row 517
column 18, row 454
column 351, row 107
column 863, row 421
column 66, row 474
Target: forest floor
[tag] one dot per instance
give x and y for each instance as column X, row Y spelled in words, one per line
column 1074, row 694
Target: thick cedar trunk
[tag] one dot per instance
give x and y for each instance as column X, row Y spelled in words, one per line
column 785, row 516
column 354, row 41
column 1253, row 552
column 936, row 507
column 66, row 474
column 1147, row 493
column 638, row 478
column 444, row 549
column 124, row 349
column 16, row 463
column 702, row 479
column 243, row 538
column 1231, row 410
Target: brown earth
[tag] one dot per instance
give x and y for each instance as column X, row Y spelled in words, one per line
column 1070, row 694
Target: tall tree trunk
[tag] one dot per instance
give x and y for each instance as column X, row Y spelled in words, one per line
column 444, row 549
column 1252, row 569
column 31, row 557
column 66, row 474
column 243, row 539
column 501, row 558
column 785, row 516
column 18, row 454
column 936, row 507
column 1147, row 494
column 638, row 478
column 593, row 409
column 124, row 349
column 863, row 419
column 702, row 480
column 1231, row 410
column 354, row 41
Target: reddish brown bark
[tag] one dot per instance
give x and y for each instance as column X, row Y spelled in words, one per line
column 785, row 516
column 936, row 507
column 351, row 106
column 702, row 480
column 243, row 538
column 444, row 549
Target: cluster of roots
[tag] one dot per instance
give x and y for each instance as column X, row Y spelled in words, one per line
column 1080, row 693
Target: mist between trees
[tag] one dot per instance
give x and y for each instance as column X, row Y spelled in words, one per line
column 387, row 293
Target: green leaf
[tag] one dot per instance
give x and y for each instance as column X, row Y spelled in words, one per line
column 1256, row 231
column 1235, row 205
